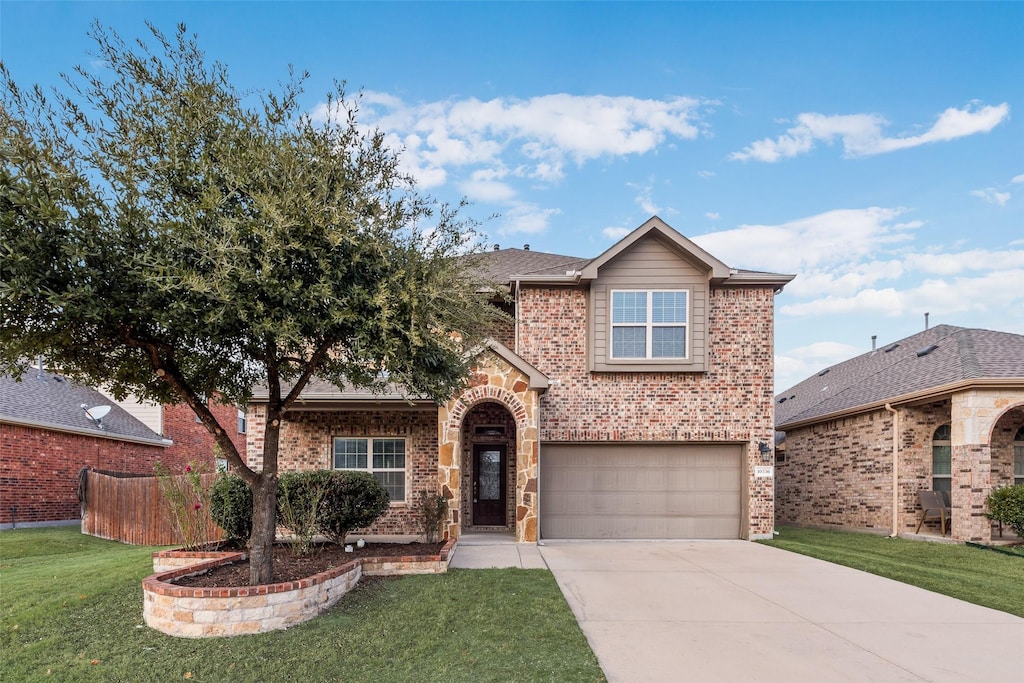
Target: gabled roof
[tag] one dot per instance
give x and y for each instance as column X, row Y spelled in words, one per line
column 51, row 401
column 941, row 359
column 524, row 265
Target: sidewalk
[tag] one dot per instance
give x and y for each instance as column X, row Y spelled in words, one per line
column 494, row 550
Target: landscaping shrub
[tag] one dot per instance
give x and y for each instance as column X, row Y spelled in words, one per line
column 231, row 507
column 1006, row 505
column 354, row 500
column 431, row 509
column 188, row 503
column 300, row 505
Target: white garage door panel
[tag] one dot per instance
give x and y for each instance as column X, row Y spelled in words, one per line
column 640, row 491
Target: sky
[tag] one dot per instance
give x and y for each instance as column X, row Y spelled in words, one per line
column 874, row 150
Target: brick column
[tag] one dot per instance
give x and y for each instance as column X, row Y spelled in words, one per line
column 971, row 484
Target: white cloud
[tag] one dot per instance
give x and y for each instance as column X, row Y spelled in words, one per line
column 712, row 215
column 525, row 218
column 643, row 198
column 706, row 174
column 861, row 134
column 992, row 196
column 613, row 233
column 1017, row 179
column 797, row 364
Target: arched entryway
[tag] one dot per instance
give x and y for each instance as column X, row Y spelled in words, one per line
column 488, row 500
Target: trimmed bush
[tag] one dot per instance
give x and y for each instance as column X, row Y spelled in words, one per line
column 1006, row 505
column 431, row 509
column 354, row 500
column 231, row 507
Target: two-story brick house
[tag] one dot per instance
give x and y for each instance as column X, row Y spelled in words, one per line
column 632, row 398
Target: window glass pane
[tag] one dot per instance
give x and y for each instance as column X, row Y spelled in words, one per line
column 629, row 342
column 668, row 342
column 941, row 460
column 942, row 434
column 393, row 483
column 350, row 454
column 388, row 453
column 1018, row 461
column 668, row 307
column 629, row 307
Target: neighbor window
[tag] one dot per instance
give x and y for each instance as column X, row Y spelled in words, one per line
column 649, row 324
column 384, row 458
column 241, row 421
column 1018, row 457
column 942, row 461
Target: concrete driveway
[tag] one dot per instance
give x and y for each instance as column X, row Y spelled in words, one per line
column 740, row 611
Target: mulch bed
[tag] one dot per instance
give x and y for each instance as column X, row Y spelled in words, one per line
column 291, row 567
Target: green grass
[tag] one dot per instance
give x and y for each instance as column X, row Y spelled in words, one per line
column 978, row 575
column 67, row 601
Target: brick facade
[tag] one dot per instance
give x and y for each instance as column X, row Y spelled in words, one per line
column 838, row 473
column 191, row 439
column 39, row 469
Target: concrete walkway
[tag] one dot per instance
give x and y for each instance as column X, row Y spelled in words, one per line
column 494, row 550
column 740, row 611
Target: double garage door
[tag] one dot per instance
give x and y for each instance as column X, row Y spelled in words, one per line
column 640, row 491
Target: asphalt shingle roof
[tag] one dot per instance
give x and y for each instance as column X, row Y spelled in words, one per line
column 54, row 400
column 896, row 369
column 504, row 265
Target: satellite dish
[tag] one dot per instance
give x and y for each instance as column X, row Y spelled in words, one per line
column 96, row 413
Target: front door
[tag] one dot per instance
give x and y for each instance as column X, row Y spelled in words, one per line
column 489, row 485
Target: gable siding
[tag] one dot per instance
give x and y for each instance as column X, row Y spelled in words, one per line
column 649, row 264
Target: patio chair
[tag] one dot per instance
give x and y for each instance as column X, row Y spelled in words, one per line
column 933, row 506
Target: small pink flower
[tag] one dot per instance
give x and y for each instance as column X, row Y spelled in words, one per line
column 197, row 506
column 188, row 468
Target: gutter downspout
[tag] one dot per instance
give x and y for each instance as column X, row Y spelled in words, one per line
column 895, row 470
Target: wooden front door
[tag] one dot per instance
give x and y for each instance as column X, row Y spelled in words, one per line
column 489, row 478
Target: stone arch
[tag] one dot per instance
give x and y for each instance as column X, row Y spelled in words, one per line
column 494, row 381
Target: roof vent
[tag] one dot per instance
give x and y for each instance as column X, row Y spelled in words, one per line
column 926, row 350
column 782, row 400
column 891, row 347
column 526, row 247
column 824, row 372
column 497, row 247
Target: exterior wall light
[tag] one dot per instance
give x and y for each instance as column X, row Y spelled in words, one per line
column 766, row 451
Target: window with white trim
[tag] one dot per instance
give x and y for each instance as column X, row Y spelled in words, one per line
column 382, row 457
column 242, row 422
column 649, row 324
column 1018, row 457
column 942, row 455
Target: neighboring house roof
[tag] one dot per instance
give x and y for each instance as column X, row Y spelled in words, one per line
column 941, row 359
column 511, row 265
column 51, row 401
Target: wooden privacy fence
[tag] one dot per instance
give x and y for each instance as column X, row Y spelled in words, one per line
column 131, row 508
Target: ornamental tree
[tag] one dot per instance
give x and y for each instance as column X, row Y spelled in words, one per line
column 167, row 235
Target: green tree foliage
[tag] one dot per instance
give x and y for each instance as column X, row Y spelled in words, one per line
column 167, row 235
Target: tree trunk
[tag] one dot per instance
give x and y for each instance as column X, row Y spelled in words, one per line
column 264, row 525
column 264, row 506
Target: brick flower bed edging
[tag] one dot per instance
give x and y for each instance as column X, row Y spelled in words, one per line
column 193, row 612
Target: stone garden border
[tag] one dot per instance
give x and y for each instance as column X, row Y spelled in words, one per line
column 192, row 612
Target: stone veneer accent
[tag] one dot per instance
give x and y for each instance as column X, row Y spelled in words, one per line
column 191, row 612
column 495, row 381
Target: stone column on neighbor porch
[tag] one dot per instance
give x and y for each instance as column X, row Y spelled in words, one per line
column 973, row 413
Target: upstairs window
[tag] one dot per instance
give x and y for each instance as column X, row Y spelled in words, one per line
column 242, row 422
column 649, row 324
column 942, row 451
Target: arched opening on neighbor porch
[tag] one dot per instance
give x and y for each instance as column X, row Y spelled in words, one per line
column 1007, row 439
column 488, row 468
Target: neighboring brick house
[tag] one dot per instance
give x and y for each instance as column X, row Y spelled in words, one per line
column 190, row 439
column 628, row 400
column 46, row 438
column 940, row 410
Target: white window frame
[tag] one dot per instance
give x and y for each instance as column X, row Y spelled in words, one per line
column 648, row 325
column 369, row 440
column 942, row 443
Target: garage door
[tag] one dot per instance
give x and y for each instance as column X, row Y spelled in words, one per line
column 640, row 491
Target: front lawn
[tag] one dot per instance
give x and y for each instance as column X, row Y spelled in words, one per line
column 71, row 609
column 979, row 575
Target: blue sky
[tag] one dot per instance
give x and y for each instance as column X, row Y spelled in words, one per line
column 874, row 149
